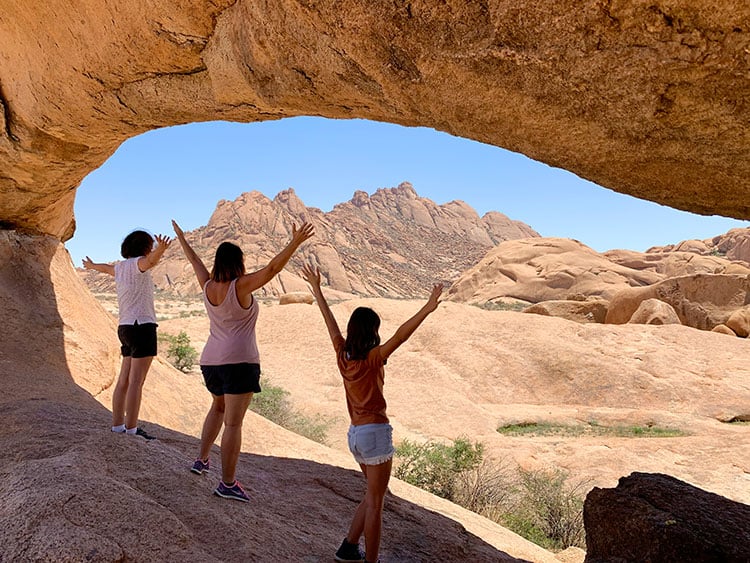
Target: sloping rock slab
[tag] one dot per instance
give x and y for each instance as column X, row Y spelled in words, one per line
column 657, row 518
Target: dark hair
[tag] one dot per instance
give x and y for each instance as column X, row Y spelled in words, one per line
column 229, row 263
column 362, row 333
column 136, row 244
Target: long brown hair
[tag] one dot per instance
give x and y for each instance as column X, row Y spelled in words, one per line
column 229, row 263
column 362, row 333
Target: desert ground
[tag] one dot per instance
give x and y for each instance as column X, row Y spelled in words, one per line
column 468, row 371
column 70, row 489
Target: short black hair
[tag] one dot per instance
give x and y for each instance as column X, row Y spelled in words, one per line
column 362, row 333
column 136, row 244
column 229, row 263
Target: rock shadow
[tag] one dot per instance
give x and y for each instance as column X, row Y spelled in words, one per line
column 70, row 490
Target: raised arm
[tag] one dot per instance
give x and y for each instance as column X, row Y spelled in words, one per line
column 255, row 280
column 152, row 258
column 312, row 276
column 198, row 267
column 407, row 329
column 99, row 267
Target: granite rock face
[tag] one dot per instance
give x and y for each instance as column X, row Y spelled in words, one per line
column 701, row 300
column 391, row 243
column 648, row 99
column 657, row 518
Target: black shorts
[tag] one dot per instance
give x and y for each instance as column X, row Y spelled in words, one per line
column 138, row 341
column 232, row 379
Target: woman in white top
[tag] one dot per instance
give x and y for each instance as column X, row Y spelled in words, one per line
column 137, row 324
column 230, row 361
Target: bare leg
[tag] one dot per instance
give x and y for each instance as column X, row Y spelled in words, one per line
column 212, row 426
column 358, row 522
column 235, row 407
column 136, row 379
column 121, row 390
column 377, row 485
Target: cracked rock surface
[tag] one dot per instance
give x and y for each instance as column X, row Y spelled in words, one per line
column 648, row 99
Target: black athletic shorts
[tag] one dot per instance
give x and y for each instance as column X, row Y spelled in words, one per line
column 138, row 341
column 232, row 379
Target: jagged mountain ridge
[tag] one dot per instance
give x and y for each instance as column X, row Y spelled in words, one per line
column 392, row 243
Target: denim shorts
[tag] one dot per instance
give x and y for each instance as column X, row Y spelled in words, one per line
column 371, row 444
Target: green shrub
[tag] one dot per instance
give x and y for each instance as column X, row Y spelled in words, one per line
column 524, row 527
column 517, row 306
column 538, row 505
column 434, row 467
column 548, row 504
column 274, row 404
column 179, row 352
column 588, row 429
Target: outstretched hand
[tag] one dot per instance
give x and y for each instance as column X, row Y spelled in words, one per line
column 177, row 229
column 88, row 263
column 305, row 232
column 434, row 299
column 163, row 241
column 312, row 276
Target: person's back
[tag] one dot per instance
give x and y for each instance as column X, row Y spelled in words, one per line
column 135, row 293
column 136, row 328
column 231, row 338
column 230, row 361
column 363, row 386
column 361, row 360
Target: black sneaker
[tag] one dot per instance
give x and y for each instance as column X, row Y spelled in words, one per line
column 143, row 434
column 349, row 552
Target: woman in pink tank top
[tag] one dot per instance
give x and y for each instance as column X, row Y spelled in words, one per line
column 230, row 361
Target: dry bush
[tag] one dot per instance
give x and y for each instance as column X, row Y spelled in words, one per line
column 486, row 489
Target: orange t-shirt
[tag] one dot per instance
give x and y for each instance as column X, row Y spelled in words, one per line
column 363, row 384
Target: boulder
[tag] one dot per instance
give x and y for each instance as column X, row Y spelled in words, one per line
column 657, row 518
column 671, row 263
column 592, row 311
column 545, row 269
column 571, row 555
column 739, row 321
column 696, row 246
column 735, row 244
column 701, row 301
column 296, row 297
column 654, row 312
column 723, row 329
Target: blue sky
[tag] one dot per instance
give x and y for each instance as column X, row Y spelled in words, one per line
column 182, row 172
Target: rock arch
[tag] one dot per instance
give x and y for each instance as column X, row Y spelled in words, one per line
column 648, row 99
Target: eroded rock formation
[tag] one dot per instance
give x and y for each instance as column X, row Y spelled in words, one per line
column 701, row 301
column 648, row 99
column 392, row 243
column 654, row 517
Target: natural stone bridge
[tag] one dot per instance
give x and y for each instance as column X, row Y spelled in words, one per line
column 648, row 98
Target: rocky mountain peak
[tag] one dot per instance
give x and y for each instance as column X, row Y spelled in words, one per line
column 360, row 198
column 288, row 199
column 391, row 243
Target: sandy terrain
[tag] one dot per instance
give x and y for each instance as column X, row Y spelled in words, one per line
column 468, row 371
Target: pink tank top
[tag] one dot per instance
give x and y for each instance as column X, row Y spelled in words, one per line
column 231, row 338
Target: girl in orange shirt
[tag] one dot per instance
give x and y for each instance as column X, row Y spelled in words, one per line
column 361, row 360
